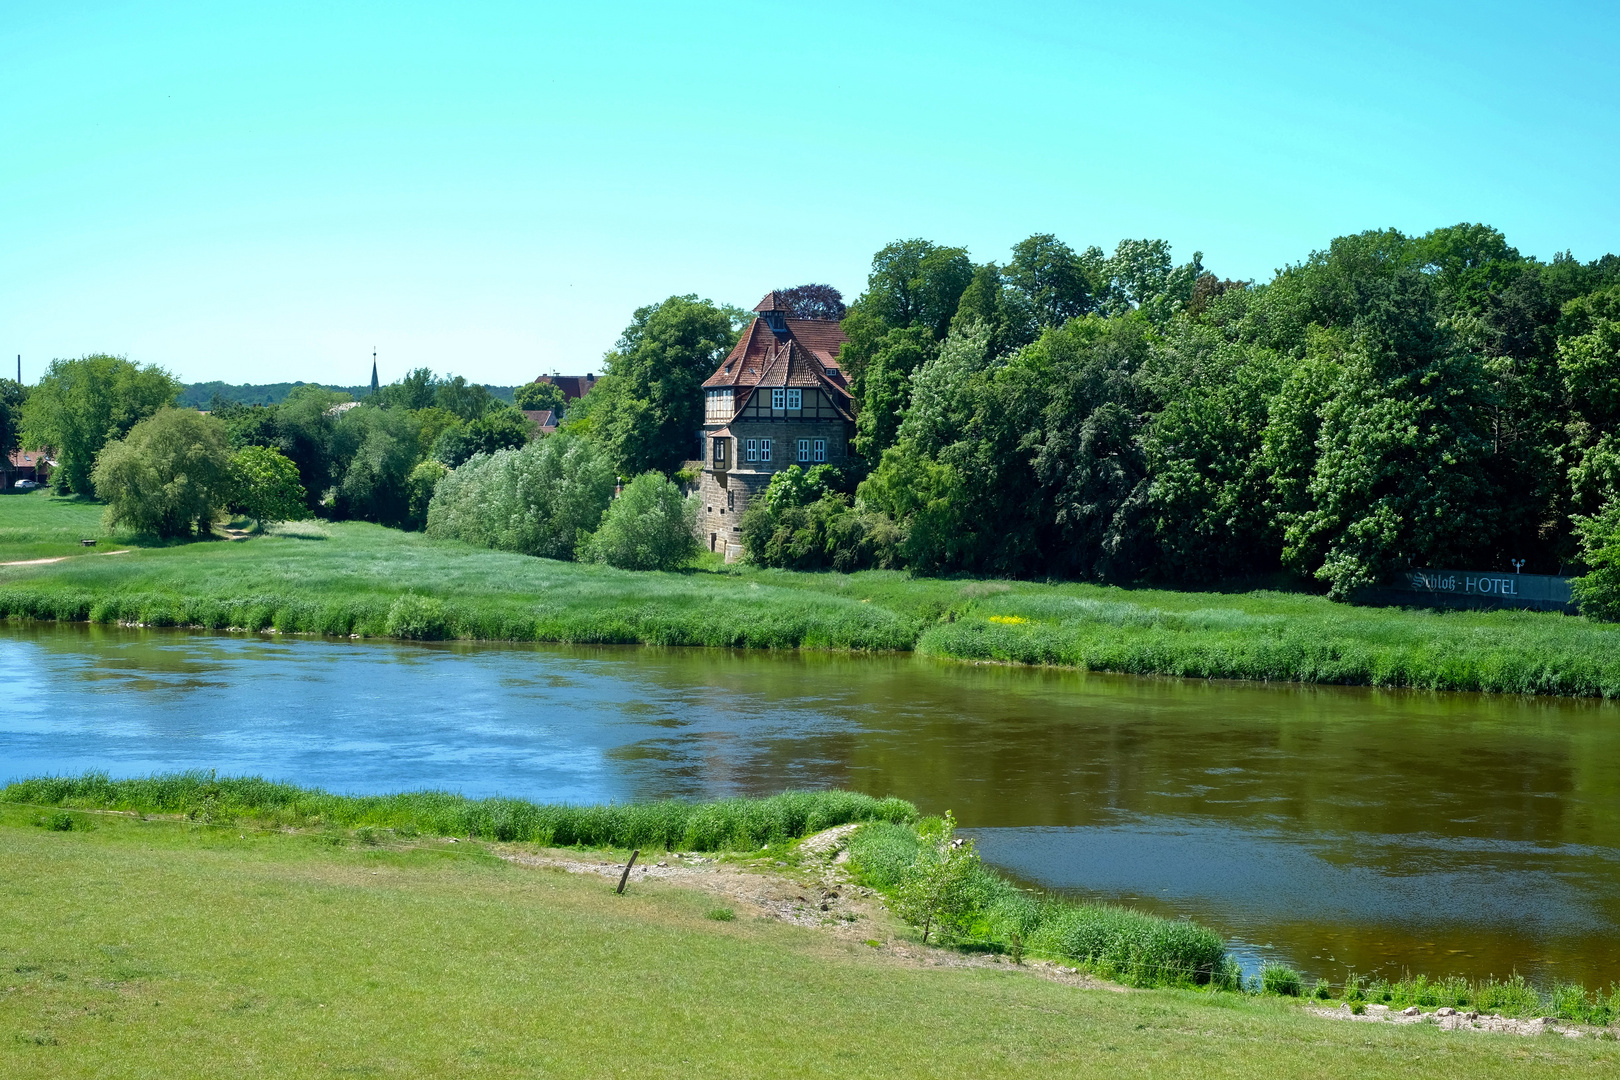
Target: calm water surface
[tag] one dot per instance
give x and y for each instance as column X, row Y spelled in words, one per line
column 1332, row 828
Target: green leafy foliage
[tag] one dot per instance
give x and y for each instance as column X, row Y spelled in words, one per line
column 264, row 486
column 539, row 396
column 650, row 526
column 169, row 476
column 501, row 428
column 537, row 500
column 647, row 410
column 81, row 404
column 937, row 883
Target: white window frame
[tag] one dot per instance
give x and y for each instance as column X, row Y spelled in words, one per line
column 804, row 449
column 719, row 451
column 795, row 399
column 821, row 449
column 765, row 450
column 753, row 449
column 778, row 399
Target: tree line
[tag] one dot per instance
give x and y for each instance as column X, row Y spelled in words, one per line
column 1389, row 401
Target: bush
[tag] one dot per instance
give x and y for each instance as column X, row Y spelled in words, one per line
column 264, row 486
column 1281, row 979
column 803, row 522
column 418, row 618
column 171, row 474
column 650, row 526
column 943, row 884
column 535, row 501
column 935, row 880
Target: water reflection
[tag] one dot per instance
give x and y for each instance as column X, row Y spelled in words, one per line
column 1334, row 827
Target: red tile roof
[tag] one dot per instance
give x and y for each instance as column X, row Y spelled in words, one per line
column 572, row 386
column 818, row 339
column 543, row 419
column 770, row 303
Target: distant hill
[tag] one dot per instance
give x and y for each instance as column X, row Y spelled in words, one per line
column 198, row 395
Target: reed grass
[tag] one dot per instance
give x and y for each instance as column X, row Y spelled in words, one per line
column 723, row 824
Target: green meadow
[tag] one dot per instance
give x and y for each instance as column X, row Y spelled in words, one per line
column 353, row 578
column 177, row 948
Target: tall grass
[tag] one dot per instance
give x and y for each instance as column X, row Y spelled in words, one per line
column 356, row 579
column 724, row 824
column 1115, row 942
column 1273, row 637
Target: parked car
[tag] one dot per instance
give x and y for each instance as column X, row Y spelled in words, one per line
column 25, row 485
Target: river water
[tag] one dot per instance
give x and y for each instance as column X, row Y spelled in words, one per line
column 1331, row 828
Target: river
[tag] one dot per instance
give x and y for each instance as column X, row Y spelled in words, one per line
column 1331, row 828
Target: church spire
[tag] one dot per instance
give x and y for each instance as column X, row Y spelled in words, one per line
column 373, row 371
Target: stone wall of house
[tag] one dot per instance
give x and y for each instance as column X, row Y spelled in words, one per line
column 725, row 494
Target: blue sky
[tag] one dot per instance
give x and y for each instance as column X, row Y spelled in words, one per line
column 266, row 194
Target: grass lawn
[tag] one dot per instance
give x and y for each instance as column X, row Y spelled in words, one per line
column 38, row 525
column 156, row 948
column 355, row 578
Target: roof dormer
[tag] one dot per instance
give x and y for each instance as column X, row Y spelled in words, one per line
column 775, row 312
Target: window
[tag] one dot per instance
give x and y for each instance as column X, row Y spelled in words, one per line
column 752, row 450
column 717, row 406
column 764, row 449
column 778, row 398
column 821, row 449
column 804, row 449
column 731, row 500
column 719, row 451
column 795, row 399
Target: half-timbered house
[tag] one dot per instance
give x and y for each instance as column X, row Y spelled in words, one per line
column 778, row 399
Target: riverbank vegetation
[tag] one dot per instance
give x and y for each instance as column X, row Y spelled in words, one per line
column 722, row 825
column 353, row 578
column 182, row 948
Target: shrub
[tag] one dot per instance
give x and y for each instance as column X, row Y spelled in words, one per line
column 170, row 474
column 264, row 486
column 418, row 618
column 1281, row 979
column 650, row 526
column 942, row 885
column 720, row 914
column 973, row 905
column 535, row 501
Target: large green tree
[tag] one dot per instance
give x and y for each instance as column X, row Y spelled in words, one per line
column 170, row 475
column 80, row 404
column 648, row 408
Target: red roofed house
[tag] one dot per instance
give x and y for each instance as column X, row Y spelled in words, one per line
column 778, row 399
column 27, row 465
column 573, row 387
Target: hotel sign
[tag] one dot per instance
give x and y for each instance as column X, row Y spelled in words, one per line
column 1485, row 589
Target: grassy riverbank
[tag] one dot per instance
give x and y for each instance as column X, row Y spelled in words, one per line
column 164, row 947
column 354, row 578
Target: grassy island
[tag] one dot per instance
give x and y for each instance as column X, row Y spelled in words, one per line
column 354, row 578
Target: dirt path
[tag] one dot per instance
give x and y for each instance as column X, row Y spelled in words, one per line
column 817, row 894
column 63, row 558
